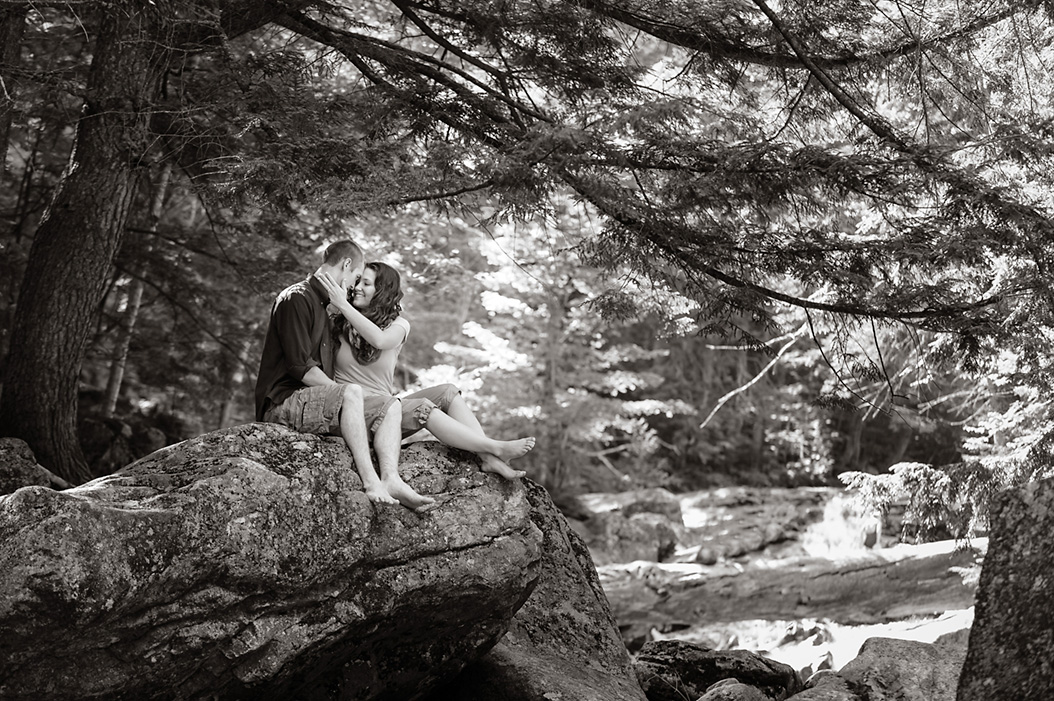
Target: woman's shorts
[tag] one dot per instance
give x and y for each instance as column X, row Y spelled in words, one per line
column 374, row 408
column 416, row 407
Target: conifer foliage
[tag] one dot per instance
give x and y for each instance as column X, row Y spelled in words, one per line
column 883, row 160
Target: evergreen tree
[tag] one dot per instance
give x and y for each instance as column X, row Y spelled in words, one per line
column 864, row 159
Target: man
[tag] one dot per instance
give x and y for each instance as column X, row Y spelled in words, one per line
column 294, row 386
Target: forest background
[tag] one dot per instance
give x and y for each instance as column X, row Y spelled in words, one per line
column 683, row 244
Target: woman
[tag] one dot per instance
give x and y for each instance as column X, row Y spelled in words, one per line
column 371, row 333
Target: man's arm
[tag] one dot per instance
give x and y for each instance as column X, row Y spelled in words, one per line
column 315, row 377
column 293, row 317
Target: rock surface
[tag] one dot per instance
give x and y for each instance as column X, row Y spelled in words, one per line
column 889, row 669
column 563, row 643
column 1009, row 655
column 874, row 587
column 18, row 468
column 249, row 563
column 826, row 686
column 655, row 500
column 885, row 670
column 614, row 537
column 732, row 690
column 673, row 670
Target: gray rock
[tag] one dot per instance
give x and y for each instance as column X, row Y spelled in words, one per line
column 563, row 642
column 733, row 690
column 19, row 468
column 249, row 563
column 1012, row 636
column 653, row 500
column 826, row 685
column 612, row 537
column 889, row 669
column 673, row 670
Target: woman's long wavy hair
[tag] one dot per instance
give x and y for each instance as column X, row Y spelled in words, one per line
column 383, row 310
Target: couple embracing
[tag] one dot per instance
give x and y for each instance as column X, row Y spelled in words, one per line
column 336, row 376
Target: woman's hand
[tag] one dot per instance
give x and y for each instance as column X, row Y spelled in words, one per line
column 377, row 337
column 338, row 296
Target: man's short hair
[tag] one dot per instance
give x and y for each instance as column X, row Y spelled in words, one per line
column 339, row 250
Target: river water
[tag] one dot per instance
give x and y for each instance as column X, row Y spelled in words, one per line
column 801, row 576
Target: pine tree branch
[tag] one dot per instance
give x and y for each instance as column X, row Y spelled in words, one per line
column 927, row 160
column 701, row 36
column 757, row 378
column 403, row 61
column 656, row 233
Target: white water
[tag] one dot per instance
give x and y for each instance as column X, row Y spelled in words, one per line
column 805, row 644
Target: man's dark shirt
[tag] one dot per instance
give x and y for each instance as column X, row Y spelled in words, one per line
column 298, row 339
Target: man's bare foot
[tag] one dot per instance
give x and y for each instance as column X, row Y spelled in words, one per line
column 406, row 495
column 492, row 463
column 380, row 495
column 510, row 450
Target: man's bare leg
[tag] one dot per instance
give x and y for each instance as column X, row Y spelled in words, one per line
column 459, row 428
column 386, row 442
column 353, row 430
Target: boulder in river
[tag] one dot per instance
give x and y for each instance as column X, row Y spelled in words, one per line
column 563, row 643
column 674, row 670
column 888, row 669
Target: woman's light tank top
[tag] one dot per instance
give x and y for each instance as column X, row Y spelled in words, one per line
column 379, row 376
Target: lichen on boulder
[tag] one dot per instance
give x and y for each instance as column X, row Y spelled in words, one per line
column 249, row 562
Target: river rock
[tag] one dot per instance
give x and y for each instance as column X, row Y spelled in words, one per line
column 563, row 642
column 249, row 563
column 1009, row 654
column 674, row 670
column 825, row 685
column 653, row 500
column 733, row 690
column 889, row 669
column 612, row 537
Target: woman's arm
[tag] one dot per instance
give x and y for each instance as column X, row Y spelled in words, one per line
column 382, row 339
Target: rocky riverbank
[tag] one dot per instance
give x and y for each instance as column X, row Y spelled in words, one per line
column 800, row 576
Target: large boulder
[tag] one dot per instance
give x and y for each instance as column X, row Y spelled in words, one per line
column 652, row 500
column 612, row 537
column 248, row 563
column 563, row 643
column 673, row 670
column 1009, row 654
column 889, row 669
column 18, row 468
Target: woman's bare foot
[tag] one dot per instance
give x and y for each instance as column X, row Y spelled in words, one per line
column 510, row 450
column 492, row 463
column 406, row 496
column 379, row 495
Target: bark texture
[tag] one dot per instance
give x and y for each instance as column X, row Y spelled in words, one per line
column 79, row 236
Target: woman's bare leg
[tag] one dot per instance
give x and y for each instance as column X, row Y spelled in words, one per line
column 503, row 450
column 469, row 435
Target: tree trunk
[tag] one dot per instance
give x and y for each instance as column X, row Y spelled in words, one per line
column 234, row 385
column 76, row 242
column 12, row 27
column 135, row 298
column 119, row 361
